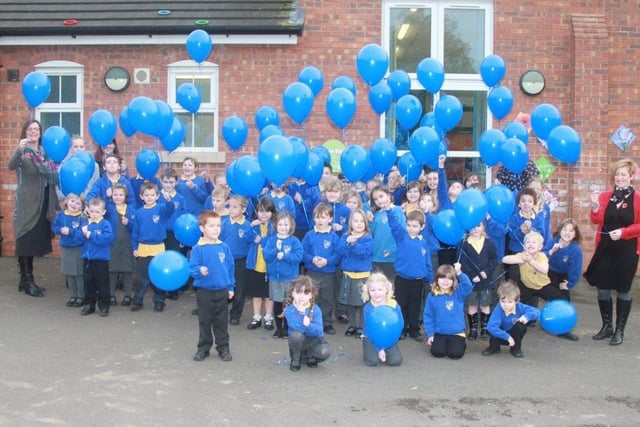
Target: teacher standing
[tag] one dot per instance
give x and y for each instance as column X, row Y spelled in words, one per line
column 36, row 203
column 615, row 260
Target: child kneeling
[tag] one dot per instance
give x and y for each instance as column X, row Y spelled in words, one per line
column 507, row 323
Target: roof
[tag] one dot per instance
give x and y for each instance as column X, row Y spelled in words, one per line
column 125, row 17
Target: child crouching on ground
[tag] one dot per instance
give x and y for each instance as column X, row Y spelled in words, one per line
column 306, row 335
column 507, row 323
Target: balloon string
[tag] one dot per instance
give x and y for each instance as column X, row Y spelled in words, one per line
column 344, row 136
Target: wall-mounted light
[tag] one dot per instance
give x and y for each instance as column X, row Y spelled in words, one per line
column 402, row 32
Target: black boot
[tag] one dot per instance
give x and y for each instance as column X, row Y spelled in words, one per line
column 484, row 319
column 30, row 274
column 606, row 312
column 473, row 326
column 623, row 307
column 22, row 266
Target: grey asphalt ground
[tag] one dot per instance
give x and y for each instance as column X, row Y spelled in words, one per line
column 135, row 369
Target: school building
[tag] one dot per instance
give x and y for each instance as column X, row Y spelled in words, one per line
column 103, row 54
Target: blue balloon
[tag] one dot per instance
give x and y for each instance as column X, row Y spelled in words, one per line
column 400, row 83
column 312, row 173
column 372, row 63
column 408, row 167
column 424, row 144
column 490, row 146
column 165, row 119
column 447, row 228
column 147, row 163
column 36, row 88
column 125, row 126
column 189, row 98
column 56, row 143
column 322, row 153
column 312, row 77
column 345, row 82
column 235, row 131
column 301, row 155
column 143, row 114
column 169, row 270
column 383, row 155
column 277, row 158
column 354, row 162
column 266, row 115
column 564, row 144
column 187, row 229
column 298, row 101
column 248, row 176
column 430, row 74
column 269, row 130
column 175, row 136
column 408, row 111
column 74, row 176
column 341, row 106
column 514, row 155
column 199, row 45
column 492, row 70
column 516, row 130
column 87, row 159
column 383, row 326
column 370, row 173
column 380, row 97
column 429, row 120
column 448, row 112
column 544, row 118
column 501, row 202
column 500, row 100
column 442, row 151
column 471, row 208
column 558, row 317
column 103, row 127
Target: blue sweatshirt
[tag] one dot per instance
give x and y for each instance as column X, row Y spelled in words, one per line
column 516, row 236
column 75, row 238
column 500, row 323
column 366, row 312
column 218, row 259
column 567, row 261
column 287, row 268
column 356, row 257
column 474, row 263
column 283, row 202
column 254, row 232
column 100, row 187
column 340, row 216
column 98, row 246
column 136, row 184
column 429, row 235
column 413, row 260
column 384, row 245
column 193, row 197
column 444, row 313
column 150, row 224
column 295, row 318
column 310, row 195
column 178, row 210
column 236, row 234
column 321, row 244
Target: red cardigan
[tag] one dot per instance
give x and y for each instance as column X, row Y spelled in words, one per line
column 629, row 232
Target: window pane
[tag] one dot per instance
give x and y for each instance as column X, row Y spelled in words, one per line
column 394, row 131
column 200, row 135
column 463, row 40
column 409, row 37
column 49, row 119
column 68, row 89
column 54, row 96
column 71, row 122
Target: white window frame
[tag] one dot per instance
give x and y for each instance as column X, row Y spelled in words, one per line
column 191, row 68
column 64, row 68
column 452, row 82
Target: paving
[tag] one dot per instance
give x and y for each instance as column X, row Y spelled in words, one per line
column 58, row 368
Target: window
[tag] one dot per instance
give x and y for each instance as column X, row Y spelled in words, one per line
column 201, row 128
column 459, row 35
column 63, row 107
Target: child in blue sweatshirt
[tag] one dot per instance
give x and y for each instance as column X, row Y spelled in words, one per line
column 122, row 264
column 565, row 257
column 283, row 254
column 333, row 197
column 235, row 233
column 67, row 226
column 321, row 259
column 192, row 187
column 147, row 240
column 212, row 268
column 103, row 187
column 523, row 221
column 384, row 245
column 507, row 324
column 169, row 180
column 413, row 267
column 305, row 198
column 306, row 337
column 443, row 316
column 96, row 253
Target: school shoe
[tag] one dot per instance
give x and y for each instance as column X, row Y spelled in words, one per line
column 490, row 351
column 329, row 329
column 104, row 311
column 268, row 324
column 158, row 307
column 569, row 336
column 255, row 323
column 473, row 326
column 350, row 331
column 137, row 306
column 79, row 302
column 126, row 301
column 88, row 309
column 294, row 366
column 516, row 353
column 225, row 355
column 234, row 322
column 484, row 321
column 358, row 333
column 312, row 362
column 200, row 355
column 173, row 295
column 70, row 302
column 113, row 302
column 417, row 336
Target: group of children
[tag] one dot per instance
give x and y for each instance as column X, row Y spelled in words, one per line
column 306, row 255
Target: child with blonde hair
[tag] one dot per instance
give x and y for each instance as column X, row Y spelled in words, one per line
column 376, row 292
